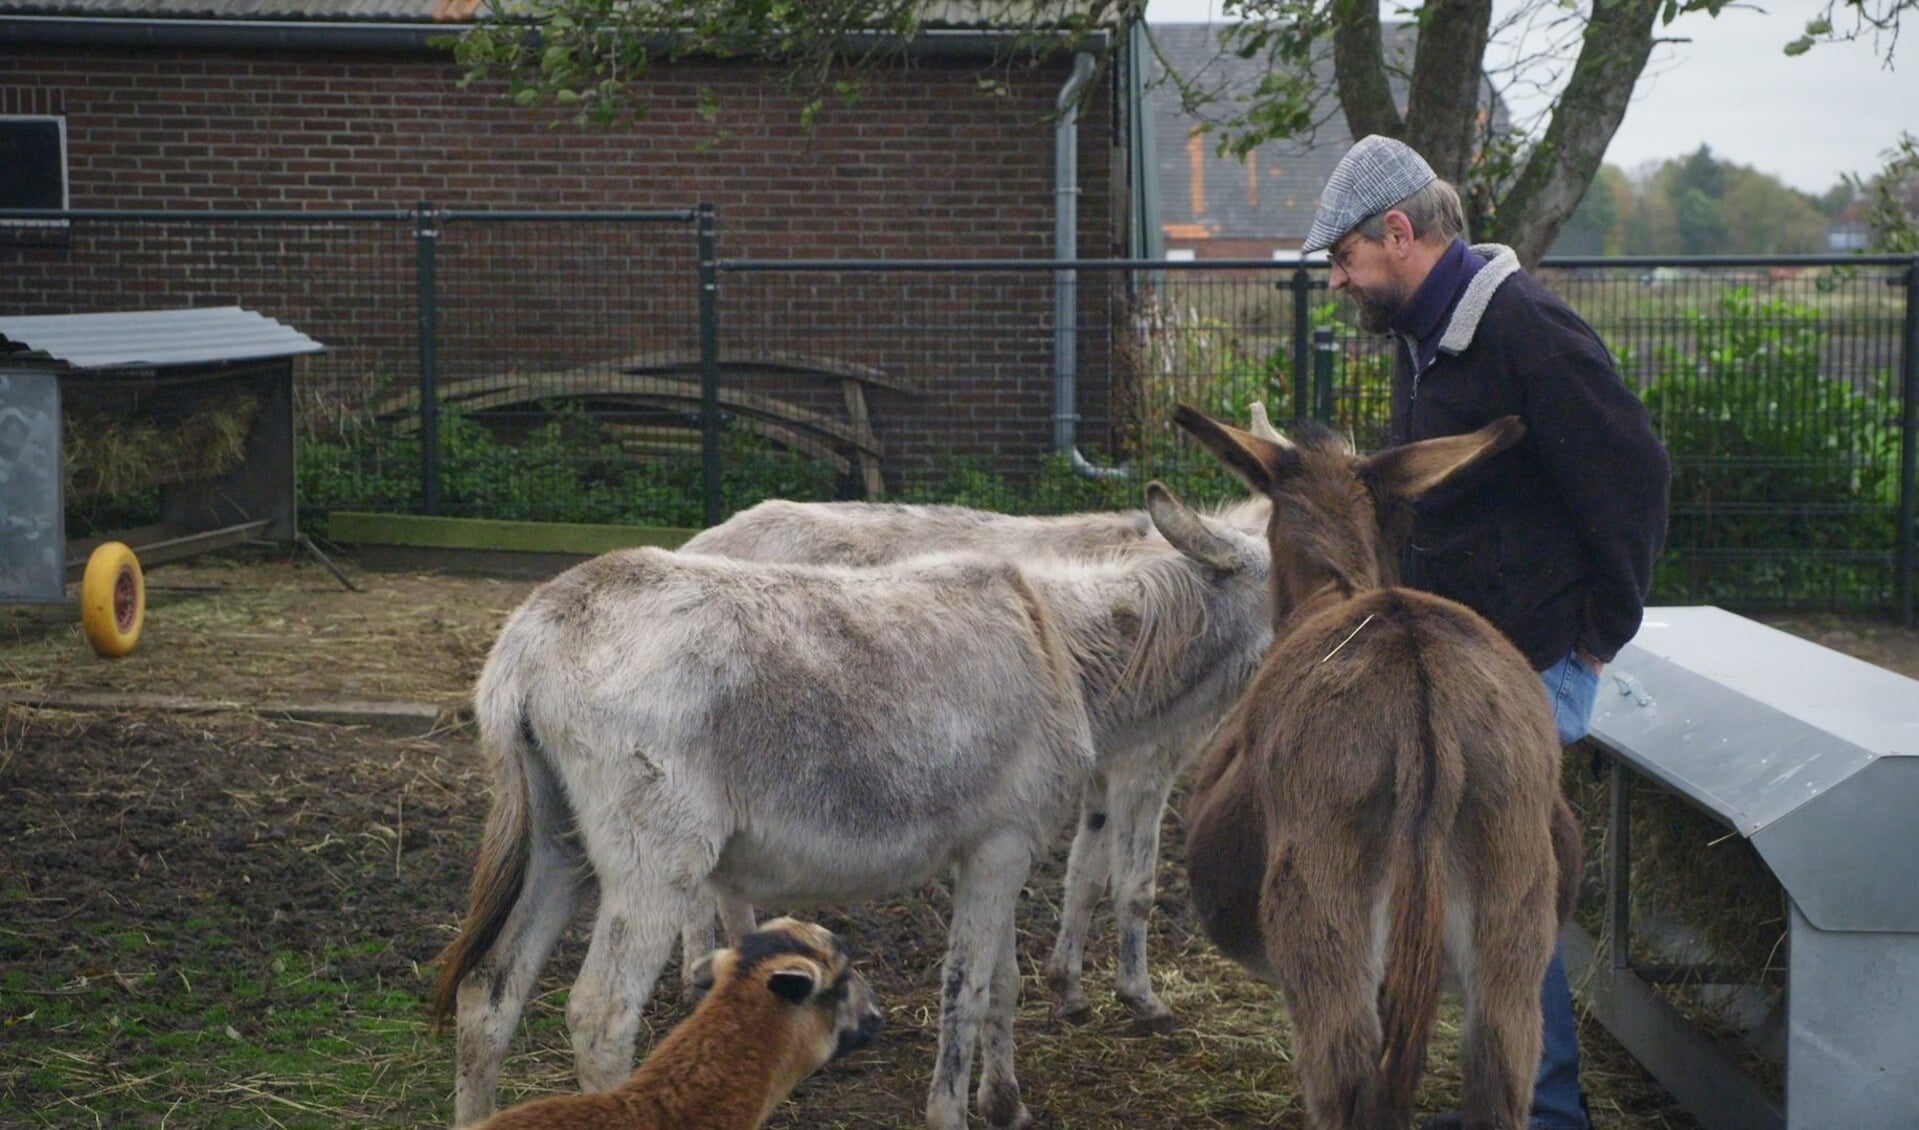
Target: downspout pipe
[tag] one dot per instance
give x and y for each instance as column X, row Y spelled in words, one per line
column 1066, row 280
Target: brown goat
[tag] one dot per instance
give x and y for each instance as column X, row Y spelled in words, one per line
column 1384, row 797
column 777, row 1007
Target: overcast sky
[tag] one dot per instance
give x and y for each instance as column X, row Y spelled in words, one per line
column 1833, row 110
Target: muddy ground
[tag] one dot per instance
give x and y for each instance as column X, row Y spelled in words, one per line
column 165, row 865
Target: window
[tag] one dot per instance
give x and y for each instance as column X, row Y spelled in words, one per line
column 33, row 165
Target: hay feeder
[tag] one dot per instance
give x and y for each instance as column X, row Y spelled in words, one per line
column 1812, row 757
column 196, row 402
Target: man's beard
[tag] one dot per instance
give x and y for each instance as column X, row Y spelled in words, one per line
column 1378, row 306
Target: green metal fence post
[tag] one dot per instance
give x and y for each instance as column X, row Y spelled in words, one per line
column 1302, row 342
column 1908, row 444
column 426, row 237
column 1323, row 374
column 709, row 363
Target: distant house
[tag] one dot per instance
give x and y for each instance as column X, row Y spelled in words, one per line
column 326, row 105
column 1849, row 230
column 1217, row 207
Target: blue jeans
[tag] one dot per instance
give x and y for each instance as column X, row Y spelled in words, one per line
column 1558, row 1102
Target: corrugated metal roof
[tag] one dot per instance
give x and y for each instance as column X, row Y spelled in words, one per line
column 329, row 11
column 150, row 338
column 969, row 14
column 409, row 11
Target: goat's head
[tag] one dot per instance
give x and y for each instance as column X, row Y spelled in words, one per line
column 809, row 970
column 1332, row 508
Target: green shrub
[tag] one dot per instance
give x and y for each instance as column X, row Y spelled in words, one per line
column 1784, row 479
column 567, row 468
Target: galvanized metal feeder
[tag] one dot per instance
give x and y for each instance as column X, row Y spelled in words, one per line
column 1813, row 757
column 144, row 364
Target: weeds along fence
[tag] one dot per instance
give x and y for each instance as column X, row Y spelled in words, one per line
column 616, row 367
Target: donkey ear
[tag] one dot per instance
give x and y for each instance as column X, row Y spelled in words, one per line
column 1258, row 462
column 794, row 982
column 1187, row 532
column 1405, row 473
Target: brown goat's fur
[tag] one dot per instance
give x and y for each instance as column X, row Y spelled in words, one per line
column 745, row 1047
column 1385, row 797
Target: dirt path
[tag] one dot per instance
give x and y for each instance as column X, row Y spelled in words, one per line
column 223, row 920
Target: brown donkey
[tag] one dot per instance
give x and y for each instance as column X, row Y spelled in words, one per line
column 1384, row 798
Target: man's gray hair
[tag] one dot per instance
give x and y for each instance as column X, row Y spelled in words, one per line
column 1435, row 212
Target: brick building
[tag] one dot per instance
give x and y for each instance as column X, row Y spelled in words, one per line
column 277, row 107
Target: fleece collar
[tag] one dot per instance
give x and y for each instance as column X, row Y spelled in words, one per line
column 1502, row 263
column 1419, row 321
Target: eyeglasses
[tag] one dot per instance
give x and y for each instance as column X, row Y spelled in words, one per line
column 1337, row 253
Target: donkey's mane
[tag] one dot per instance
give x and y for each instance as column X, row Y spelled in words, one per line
column 1170, row 600
column 1324, row 481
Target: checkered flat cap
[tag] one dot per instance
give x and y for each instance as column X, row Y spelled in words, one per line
column 1375, row 174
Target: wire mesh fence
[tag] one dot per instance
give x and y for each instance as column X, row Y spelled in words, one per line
column 611, row 367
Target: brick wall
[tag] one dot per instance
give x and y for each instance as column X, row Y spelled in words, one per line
column 925, row 166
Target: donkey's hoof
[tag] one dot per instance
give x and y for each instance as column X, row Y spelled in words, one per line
column 1155, row 1024
column 1020, row 1119
column 1151, row 1017
column 1074, row 1010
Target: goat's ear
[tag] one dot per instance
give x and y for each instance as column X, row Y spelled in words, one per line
column 1187, row 532
column 1406, row 473
column 1257, row 461
column 1259, row 424
column 794, row 981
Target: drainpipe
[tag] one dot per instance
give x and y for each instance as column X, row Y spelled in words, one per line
column 1066, row 281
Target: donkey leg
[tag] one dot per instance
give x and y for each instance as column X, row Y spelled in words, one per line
column 1086, row 875
column 1320, row 944
column 696, row 941
column 737, row 916
column 998, row 1097
column 491, row 997
column 1512, row 940
column 651, row 874
column 1138, row 797
column 985, row 891
column 697, row 937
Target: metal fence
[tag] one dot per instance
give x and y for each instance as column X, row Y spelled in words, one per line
column 617, row 367
column 1785, row 390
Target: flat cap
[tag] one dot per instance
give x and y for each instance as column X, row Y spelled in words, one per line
column 1375, row 174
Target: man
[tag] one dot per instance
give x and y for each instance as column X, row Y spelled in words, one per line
column 1552, row 541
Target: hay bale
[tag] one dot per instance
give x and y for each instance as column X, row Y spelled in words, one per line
column 119, row 448
column 1700, row 895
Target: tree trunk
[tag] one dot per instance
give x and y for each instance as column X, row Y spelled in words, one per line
column 1617, row 43
column 1443, row 104
column 1359, row 68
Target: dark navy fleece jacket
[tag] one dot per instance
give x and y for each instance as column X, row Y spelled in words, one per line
column 1554, row 539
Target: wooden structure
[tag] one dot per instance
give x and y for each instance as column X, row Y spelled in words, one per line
column 669, row 380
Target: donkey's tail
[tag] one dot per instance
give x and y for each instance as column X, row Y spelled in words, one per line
column 499, row 872
column 1427, row 785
